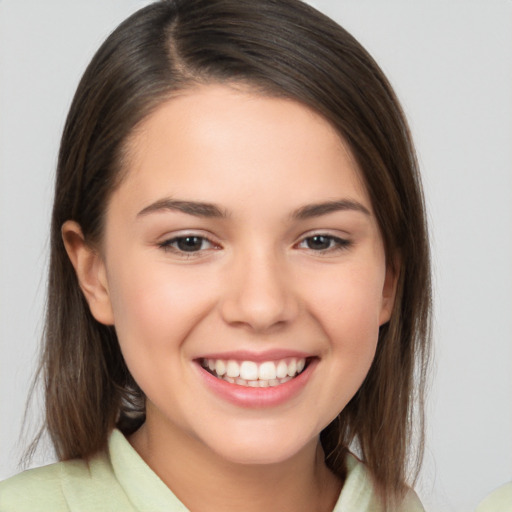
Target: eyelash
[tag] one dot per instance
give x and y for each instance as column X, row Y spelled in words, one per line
column 173, row 245
column 335, row 244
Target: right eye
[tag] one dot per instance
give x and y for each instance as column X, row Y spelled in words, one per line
column 187, row 244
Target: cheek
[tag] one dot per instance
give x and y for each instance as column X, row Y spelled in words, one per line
column 349, row 302
column 348, row 310
column 155, row 306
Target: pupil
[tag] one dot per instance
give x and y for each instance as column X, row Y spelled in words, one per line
column 319, row 242
column 190, row 243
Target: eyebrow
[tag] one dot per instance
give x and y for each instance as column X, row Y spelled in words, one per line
column 317, row 210
column 198, row 209
column 210, row 210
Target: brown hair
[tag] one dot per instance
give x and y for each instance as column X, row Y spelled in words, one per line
column 279, row 48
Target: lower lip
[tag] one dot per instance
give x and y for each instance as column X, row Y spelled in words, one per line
column 245, row 396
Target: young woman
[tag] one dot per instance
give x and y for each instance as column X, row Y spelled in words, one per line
column 239, row 289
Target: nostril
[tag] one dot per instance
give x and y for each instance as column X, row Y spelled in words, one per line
column 259, row 311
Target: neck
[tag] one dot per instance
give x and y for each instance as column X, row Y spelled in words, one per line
column 195, row 474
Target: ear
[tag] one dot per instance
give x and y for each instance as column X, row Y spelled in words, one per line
column 389, row 291
column 90, row 271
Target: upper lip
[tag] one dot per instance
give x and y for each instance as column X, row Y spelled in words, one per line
column 246, row 355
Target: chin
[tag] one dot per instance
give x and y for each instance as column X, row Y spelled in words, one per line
column 263, row 449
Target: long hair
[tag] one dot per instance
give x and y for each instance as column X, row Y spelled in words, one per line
column 281, row 48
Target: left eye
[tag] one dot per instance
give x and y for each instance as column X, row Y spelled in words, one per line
column 187, row 244
column 323, row 243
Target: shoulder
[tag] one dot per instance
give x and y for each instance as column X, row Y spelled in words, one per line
column 358, row 492
column 64, row 487
column 499, row 500
column 36, row 489
column 411, row 503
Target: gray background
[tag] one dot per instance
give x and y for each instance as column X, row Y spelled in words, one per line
column 451, row 64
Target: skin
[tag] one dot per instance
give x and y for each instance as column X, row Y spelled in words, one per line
column 258, row 281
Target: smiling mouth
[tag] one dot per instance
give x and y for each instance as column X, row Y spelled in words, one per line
column 256, row 375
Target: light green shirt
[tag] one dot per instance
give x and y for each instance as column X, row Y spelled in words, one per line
column 498, row 501
column 120, row 481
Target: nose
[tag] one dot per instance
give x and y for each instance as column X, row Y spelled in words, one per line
column 260, row 294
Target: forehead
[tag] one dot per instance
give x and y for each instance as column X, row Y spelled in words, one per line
column 251, row 143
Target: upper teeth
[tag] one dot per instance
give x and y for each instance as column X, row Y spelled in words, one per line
column 252, row 371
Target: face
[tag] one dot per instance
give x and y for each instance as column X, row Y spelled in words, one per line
column 243, row 269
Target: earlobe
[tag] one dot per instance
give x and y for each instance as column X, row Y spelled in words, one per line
column 90, row 270
column 389, row 292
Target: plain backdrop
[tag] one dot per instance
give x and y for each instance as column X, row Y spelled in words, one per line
column 451, row 64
